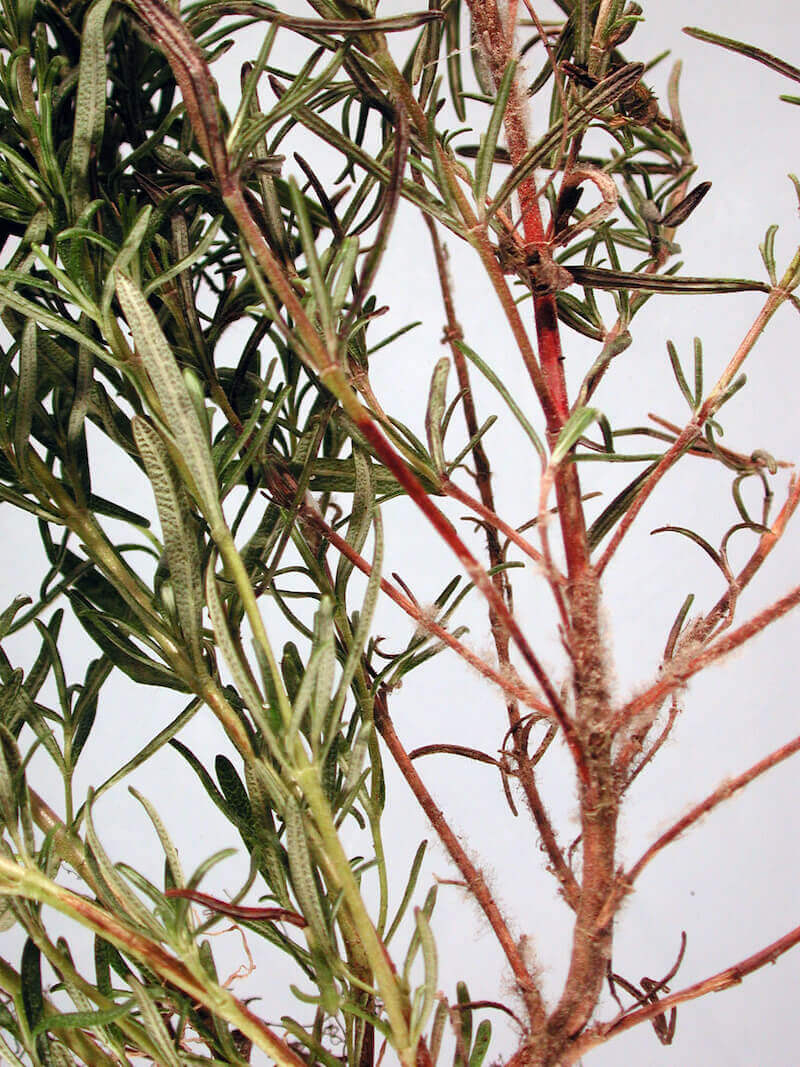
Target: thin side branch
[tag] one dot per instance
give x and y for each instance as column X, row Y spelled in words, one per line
column 713, row 800
column 476, row 883
column 683, row 668
column 714, row 984
column 693, row 428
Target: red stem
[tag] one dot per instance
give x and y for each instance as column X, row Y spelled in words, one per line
column 714, row 984
column 443, row 527
column 510, row 686
column 681, row 670
column 726, row 790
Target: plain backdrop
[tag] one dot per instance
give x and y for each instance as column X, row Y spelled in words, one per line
column 730, row 884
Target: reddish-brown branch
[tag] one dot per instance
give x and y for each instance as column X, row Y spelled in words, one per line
column 693, row 428
column 444, row 528
column 625, row 880
column 508, row 682
column 492, row 519
column 567, row 483
column 555, row 854
column 476, row 883
column 652, row 750
column 765, row 545
column 684, row 667
column 598, row 792
column 486, row 509
column 239, row 911
column 715, row 984
column 704, row 627
column 724, row 792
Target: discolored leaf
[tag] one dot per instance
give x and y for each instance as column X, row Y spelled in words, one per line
column 180, row 532
column 437, row 398
column 179, row 411
column 90, row 102
column 748, row 50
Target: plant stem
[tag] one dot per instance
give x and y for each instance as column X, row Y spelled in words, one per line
column 694, row 427
column 476, row 883
column 714, row 984
column 683, row 668
column 308, row 780
column 32, row 885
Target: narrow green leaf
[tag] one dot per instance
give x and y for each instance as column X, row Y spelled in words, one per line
column 256, row 436
column 151, row 1020
column 677, row 626
column 81, row 401
column 431, row 47
column 30, row 973
column 465, row 1015
column 82, row 1020
column 234, row 791
column 572, row 430
column 271, row 858
column 733, row 388
column 364, row 626
column 698, row 373
column 437, row 399
column 304, row 695
column 130, row 247
column 323, row 683
column 414, row 943
column 360, row 515
column 341, row 273
column 11, row 779
column 693, row 536
column 119, row 648
column 301, row 871
column 767, row 250
column 319, row 289
column 513, row 407
column 479, row 434
column 453, row 46
column 121, row 897
column 205, row 778
column 431, row 973
column 73, row 289
column 240, row 672
column 85, row 709
column 11, row 612
column 26, row 392
column 483, row 1037
column 416, row 865
column 681, row 212
column 488, row 142
column 152, row 746
column 356, row 757
column 200, row 250
column 59, row 324
column 599, row 278
column 618, row 506
column 171, row 853
column 680, row 378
